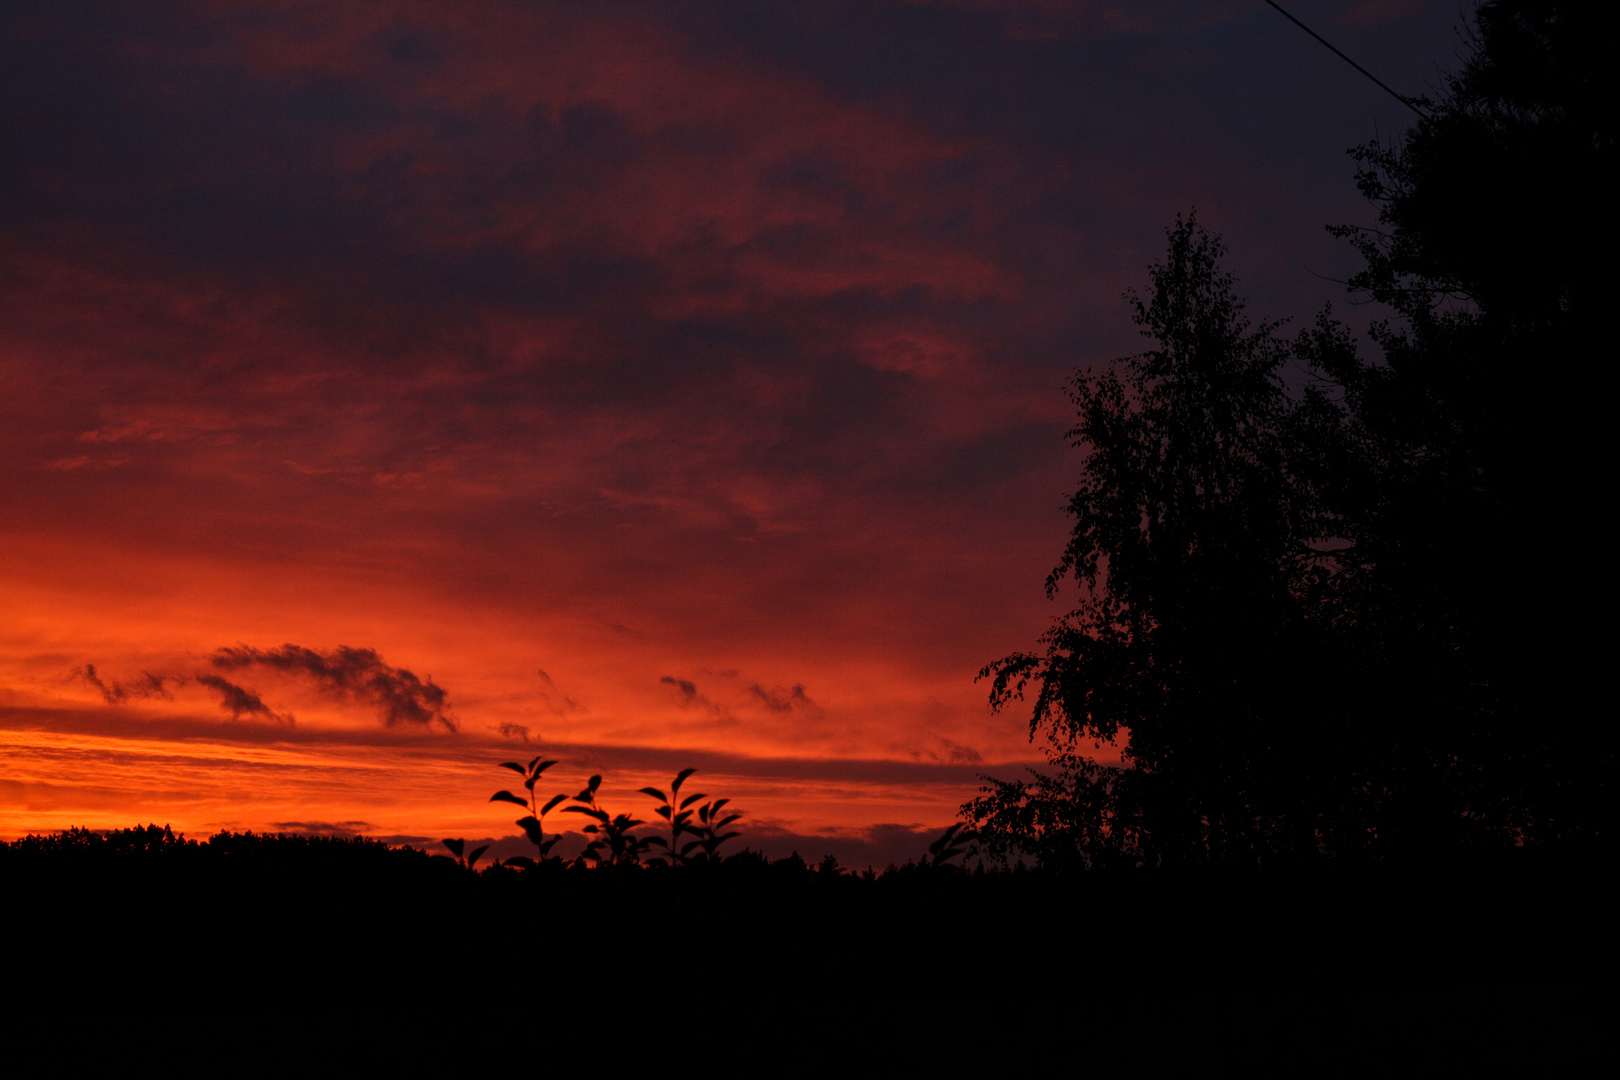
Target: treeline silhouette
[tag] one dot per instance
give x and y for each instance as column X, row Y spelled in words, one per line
column 1358, row 618
column 257, row 954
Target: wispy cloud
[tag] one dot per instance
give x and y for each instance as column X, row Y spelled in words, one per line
column 783, row 699
column 356, row 674
column 686, row 688
column 400, row 698
column 554, row 700
column 692, row 697
column 146, row 685
column 240, row 701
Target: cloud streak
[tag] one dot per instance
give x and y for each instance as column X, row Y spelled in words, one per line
column 400, row 698
column 145, row 686
column 782, row 700
column 689, row 696
column 398, row 695
column 240, row 701
column 236, row 700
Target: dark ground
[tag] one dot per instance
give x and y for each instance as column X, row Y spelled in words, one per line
column 274, row 957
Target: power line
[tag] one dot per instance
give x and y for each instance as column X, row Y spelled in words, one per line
column 1398, row 97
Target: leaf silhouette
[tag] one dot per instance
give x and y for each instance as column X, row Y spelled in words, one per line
column 612, row 837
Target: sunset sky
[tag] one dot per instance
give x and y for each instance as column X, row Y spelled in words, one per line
column 390, row 390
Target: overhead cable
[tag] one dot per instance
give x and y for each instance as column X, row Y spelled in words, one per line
column 1403, row 99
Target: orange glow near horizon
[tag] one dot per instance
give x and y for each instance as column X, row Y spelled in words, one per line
column 802, row 747
column 657, row 388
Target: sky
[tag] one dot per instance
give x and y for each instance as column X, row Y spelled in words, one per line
column 392, row 390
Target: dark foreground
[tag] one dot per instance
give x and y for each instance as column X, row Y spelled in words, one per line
column 252, row 955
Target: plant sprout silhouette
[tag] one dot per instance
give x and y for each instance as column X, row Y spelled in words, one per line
column 707, row 829
column 532, row 825
column 679, row 816
column 611, row 832
column 710, row 822
column 696, row 832
column 470, row 859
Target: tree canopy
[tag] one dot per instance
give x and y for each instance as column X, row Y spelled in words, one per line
column 1199, row 549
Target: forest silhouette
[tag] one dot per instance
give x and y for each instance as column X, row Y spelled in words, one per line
column 1333, row 617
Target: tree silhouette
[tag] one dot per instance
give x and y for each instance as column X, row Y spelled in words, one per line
column 1196, row 546
column 1468, row 501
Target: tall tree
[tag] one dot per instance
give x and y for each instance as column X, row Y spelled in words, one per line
column 1197, row 549
column 1482, row 430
